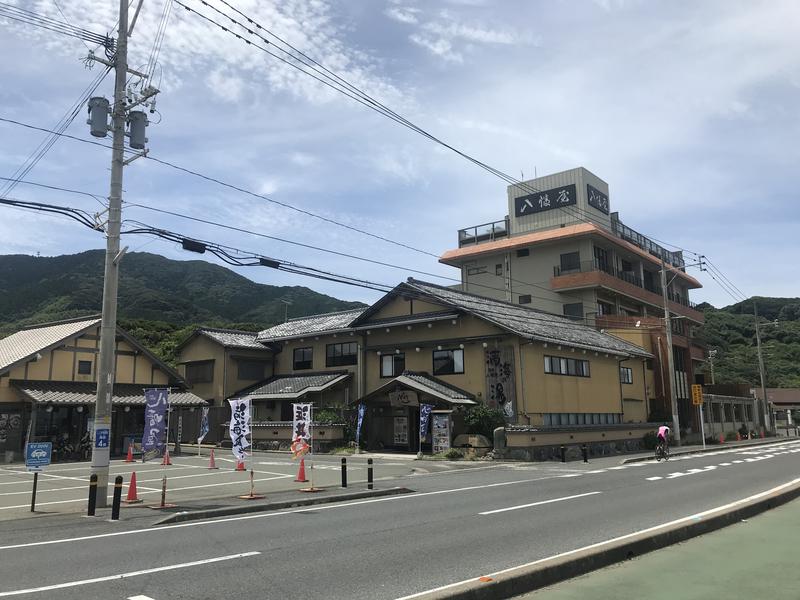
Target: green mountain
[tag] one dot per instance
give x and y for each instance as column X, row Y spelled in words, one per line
column 731, row 331
column 160, row 300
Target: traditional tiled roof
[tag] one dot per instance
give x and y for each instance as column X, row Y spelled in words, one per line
column 232, row 338
column 527, row 322
column 425, row 384
column 404, row 319
column 69, row 392
column 27, row 343
column 293, row 386
column 314, row 324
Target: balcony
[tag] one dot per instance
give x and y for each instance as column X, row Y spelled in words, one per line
column 637, row 239
column 595, row 273
column 488, row 232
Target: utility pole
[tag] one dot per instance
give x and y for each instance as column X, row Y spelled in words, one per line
column 101, row 452
column 712, row 354
column 762, row 403
column 676, row 429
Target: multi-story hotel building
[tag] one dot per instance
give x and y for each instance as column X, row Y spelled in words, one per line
column 561, row 249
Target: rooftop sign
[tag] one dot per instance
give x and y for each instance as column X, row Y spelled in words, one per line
column 549, row 199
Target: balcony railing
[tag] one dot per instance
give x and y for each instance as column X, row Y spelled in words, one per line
column 637, row 239
column 630, row 277
column 483, row 233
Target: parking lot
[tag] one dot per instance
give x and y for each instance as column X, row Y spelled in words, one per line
column 63, row 487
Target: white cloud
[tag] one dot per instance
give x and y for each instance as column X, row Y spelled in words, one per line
column 403, row 14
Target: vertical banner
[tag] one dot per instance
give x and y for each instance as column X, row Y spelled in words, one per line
column 301, row 429
column 500, row 390
column 155, row 425
column 441, row 433
column 424, row 417
column 240, row 426
column 361, row 408
column 204, row 426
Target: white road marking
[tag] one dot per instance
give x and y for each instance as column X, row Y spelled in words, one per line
column 595, row 472
column 140, row 598
column 725, row 464
column 619, row 468
column 571, row 475
column 499, row 510
column 69, row 584
column 694, row 517
column 656, row 478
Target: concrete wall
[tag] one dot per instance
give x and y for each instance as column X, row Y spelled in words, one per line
column 537, row 444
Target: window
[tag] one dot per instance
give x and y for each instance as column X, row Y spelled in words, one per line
column 575, row 367
column 337, row 355
column 523, row 252
column 303, row 358
column 626, row 375
column 649, row 363
column 448, row 362
column 476, row 271
column 571, row 261
column 578, row 419
column 251, row 370
column 525, row 299
column 574, row 310
column 498, row 269
column 393, row 365
column 200, row 372
column 601, row 259
column 604, row 308
column 84, row 367
column 626, row 265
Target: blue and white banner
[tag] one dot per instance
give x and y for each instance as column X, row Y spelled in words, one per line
column 204, row 427
column 361, row 408
column 424, row 416
column 155, row 423
column 240, row 426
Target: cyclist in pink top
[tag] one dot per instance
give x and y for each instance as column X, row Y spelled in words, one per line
column 663, row 435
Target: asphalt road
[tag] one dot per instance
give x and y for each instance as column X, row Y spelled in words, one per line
column 460, row 524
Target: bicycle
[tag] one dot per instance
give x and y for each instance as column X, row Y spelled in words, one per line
column 662, row 451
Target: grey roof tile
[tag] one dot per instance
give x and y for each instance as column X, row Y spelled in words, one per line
column 232, row 338
column 438, row 385
column 314, row 324
column 22, row 344
column 292, row 385
column 528, row 322
column 69, row 392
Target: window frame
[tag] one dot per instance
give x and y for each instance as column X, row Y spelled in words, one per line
column 569, row 316
column 524, row 299
column 197, row 364
column 85, row 362
column 250, row 363
column 301, row 365
column 453, row 352
column 332, row 359
column 395, row 359
column 566, row 366
column 627, row 378
column 567, row 266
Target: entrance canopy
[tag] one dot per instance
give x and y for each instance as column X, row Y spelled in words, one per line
column 84, row 393
column 423, row 384
column 291, row 387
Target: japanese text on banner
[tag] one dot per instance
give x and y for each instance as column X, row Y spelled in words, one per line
column 240, row 426
column 155, row 423
column 301, row 429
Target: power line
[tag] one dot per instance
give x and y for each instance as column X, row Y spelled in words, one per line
column 30, row 17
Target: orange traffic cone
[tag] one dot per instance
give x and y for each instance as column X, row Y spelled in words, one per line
column 211, row 463
column 129, row 458
column 132, row 495
column 721, row 439
column 301, row 474
column 240, row 465
column 762, row 433
column 738, row 437
column 166, row 461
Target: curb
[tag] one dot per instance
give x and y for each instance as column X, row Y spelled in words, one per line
column 715, row 448
column 545, row 572
column 211, row 513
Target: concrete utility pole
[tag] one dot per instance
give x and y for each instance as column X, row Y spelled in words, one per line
column 108, row 332
column 712, row 354
column 761, row 404
column 676, row 429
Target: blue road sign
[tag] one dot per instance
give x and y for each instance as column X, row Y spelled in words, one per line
column 102, row 438
column 37, row 455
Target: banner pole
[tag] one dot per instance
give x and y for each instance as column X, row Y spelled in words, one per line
column 311, row 436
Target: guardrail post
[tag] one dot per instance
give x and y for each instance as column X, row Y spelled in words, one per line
column 92, row 494
column 585, row 452
column 369, row 473
column 117, row 498
column 563, row 454
column 344, row 472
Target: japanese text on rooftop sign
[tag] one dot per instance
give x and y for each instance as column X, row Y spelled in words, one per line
column 240, row 426
column 546, row 200
column 155, row 424
column 597, row 199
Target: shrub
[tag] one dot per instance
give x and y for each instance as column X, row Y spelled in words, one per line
column 712, row 440
column 649, row 440
column 453, row 454
column 327, row 415
column 730, row 436
column 484, row 420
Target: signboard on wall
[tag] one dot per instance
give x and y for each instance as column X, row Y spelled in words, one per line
column 500, row 388
column 440, row 432
column 547, row 200
column 403, row 398
column 401, row 431
column 597, row 199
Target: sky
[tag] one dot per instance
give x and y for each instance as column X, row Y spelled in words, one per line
column 688, row 109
